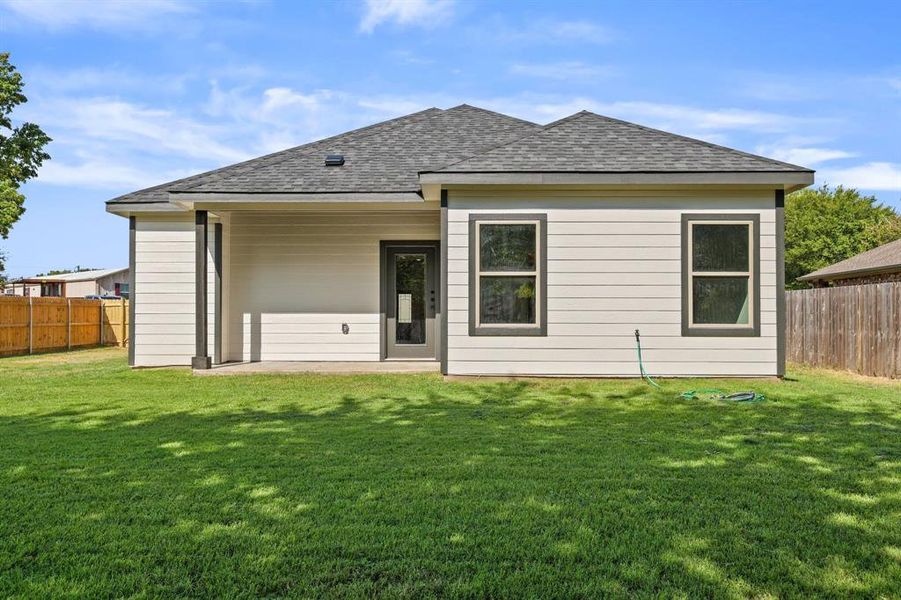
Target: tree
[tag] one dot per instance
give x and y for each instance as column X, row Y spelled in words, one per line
column 824, row 226
column 21, row 148
column 77, row 269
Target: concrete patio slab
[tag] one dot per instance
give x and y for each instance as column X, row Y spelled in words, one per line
column 330, row 368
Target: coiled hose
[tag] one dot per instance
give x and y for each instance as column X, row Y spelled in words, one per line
column 749, row 396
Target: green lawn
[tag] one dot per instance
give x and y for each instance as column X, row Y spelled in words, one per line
column 155, row 483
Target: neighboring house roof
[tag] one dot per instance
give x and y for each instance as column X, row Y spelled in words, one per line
column 79, row 276
column 389, row 157
column 884, row 259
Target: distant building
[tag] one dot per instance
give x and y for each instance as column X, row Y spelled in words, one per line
column 102, row 282
column 878, row 265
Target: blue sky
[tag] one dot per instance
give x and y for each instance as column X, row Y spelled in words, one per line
column 136, row 94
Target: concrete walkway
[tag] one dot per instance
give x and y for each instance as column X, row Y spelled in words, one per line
column 330, row 368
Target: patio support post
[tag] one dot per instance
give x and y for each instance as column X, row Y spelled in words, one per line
column 132, row 270
column 780, row 283
column 442, row 343
column 201, row 358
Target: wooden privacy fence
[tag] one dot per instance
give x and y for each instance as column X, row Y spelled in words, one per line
column 855, row 328
column 29, row 325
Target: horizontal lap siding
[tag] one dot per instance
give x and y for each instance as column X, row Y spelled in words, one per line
column 164, row 291
column 614, row 265
column 296, row 277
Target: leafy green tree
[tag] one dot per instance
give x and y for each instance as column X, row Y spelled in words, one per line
column 824, row 226
column 21, row 148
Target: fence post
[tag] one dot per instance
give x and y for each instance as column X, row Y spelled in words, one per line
column 30, row 325
column 124, row 332
column 102, row 326
column 68, row 323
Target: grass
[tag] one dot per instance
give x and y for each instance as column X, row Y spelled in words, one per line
column 154, row 483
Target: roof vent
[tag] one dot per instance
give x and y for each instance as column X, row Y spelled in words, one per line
column 334, row 160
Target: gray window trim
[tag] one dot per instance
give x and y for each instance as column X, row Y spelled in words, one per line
column 725, row 331
column 539, row 330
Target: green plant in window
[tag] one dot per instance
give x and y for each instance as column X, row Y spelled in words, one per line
column 526, row 290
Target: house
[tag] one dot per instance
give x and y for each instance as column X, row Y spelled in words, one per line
column 879, row 265
column 99, row 282
column 491, row 244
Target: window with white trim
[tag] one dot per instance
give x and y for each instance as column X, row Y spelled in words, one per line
column 507, row 274
column 720, row 286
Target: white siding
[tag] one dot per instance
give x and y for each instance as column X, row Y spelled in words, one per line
column 614, row 265
column 294, row 278
column 80, row 289
column 164, row 291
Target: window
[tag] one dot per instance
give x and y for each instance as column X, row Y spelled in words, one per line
column 121, row 290
column 720, row 275
column 507, row 274
column 51, row 290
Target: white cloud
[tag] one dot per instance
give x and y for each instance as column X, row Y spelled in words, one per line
column 394, row 107
column 102, row 14
column 90, row 79
column 110, row 143
column 280, row 98
column 544, row 31
column 883, row 176
column 563, row 71
column 134, row 126
column 103, row 174
column 677, row 118
column 807, row 157
column 420, row 13
column 688, row 117
column 409, row 58
column 580, row 31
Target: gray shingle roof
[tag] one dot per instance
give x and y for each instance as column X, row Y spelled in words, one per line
column 590, row 143
column 389, row 156
column 885, row 258
column 160, row 193
column 385, row 157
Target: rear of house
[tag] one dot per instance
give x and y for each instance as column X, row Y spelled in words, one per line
column 492, row 245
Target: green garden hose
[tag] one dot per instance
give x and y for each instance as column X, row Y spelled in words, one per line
column 644, row 373
column 749, row 396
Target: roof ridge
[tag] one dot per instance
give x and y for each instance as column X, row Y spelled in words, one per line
column 541, row 128
column 493, row 112
column 695, row 140
column 266, row 157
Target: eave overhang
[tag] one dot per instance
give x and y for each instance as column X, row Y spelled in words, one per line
column 788, row 180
